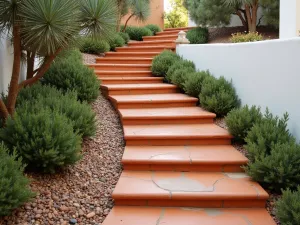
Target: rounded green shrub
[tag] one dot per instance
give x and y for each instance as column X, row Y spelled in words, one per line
column 278, row 170
column 125, row 36
column 40, row 96
column 193, row 83
column 14, row 186
column 162, row 62
column 44, row 139
column 94, row 46
column 116, row 41
column 154, row 28
column 239, row 121
column 180, row 76
column 68, row 75
column 137, row 33
column 198, row 35
column 265, row 134
column 178, row 65
column 218, row 96
column 288, row 207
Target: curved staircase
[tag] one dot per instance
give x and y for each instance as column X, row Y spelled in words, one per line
column 179, row 167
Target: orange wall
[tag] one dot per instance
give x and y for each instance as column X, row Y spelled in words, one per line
column 157, row 12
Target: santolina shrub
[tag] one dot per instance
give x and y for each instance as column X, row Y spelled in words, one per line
column 194, row 81
column 246, row 37
column 14, row 186
column 198, row 35
column 180, row 64
column 116, row 41
column 180, row 76
column 94, row 46
column 137, row 33
column 125, row 37
column 163, row 62
column 154, row 28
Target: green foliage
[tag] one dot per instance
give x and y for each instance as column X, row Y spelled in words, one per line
column 125, row 36
column 178, row 16
column 246, row 37
column 180, row 76
column 116, row 41
column 180, row 63
column 198, row 35
column 278, row 170
column 94, row 46
column 209, row 12
column 137, row 33
column 163, row 62
column 140, row 10
column 154, row 28
column 271, row 12
column 218, row 96
column 68, row 75
column 194, row 81
column 37, row 97
column 14, row 186
column 44, row 139
column 240, row 121
column 288, row 207
column 265, row 134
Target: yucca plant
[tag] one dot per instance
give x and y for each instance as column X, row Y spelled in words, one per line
column 46, row 27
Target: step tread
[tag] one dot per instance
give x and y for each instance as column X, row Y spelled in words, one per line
column 175, row 131
column 130, row 215
column 112, row 87
column 166, row 113
column 132, row 53
column 119, row 65
column 131, row 78
column 144, row 47
column 152, row 42
column 169, row 185
column 191, row 155
column 124, row 58
column 164, row 98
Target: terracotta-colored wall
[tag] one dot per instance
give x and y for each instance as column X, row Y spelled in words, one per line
column 157, row 11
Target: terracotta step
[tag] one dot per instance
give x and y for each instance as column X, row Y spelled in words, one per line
column 138, row 89
column 124, row 60
column 188, row 189
column 130, row 80
column 170, row 32
column 110, row 74
column 152, row 101
column 144, row 49
column 179, row 115
column 204, row 158
column 131, row 54
column 161, row 37
column 179, row 28
column 176, row 134
column 152, row 43
column 132, row 215
column 121, row 67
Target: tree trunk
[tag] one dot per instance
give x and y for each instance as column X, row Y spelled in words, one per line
column 132, row 15
column 41, row 71
column 3, row 110
column 14, row 82
column 251, row 13
column 244, row 22
column 30, row 64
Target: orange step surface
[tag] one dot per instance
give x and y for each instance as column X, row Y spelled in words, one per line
column 152, row 101
column 204, row 158
column 161, row 38
column 131, row 54
column 188, row 189
column 130, row 80
column 177, row 115
column 131, row 215
column 124, row 60
column 144, row 49
column 120, row 67
column 153, row 43
column 134, row 89
column 176, row 134
column 106, row 73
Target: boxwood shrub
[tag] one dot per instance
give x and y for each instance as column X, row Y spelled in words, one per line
column 218, row 96
column 116, row 41
column 14, row 186
column 94, row 46
column 163, row 62
column 198, row 35
column 154, row 28
column 137, row 33
column 125, row 37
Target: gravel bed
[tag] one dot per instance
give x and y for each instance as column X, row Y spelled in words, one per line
column 273, row 196
column 83, row 191
column 90, row 58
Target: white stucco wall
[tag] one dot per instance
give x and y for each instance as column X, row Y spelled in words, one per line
column 288, row 18
column 264, row 73
column 6, row 63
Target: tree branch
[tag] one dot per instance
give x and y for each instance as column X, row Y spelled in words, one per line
column 30, row 64
column 3, row 110
column 132, row 15
column 259, row 21
column 42, row 70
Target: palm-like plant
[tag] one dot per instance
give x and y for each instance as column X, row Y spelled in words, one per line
column 247, row 12
column 46, row 27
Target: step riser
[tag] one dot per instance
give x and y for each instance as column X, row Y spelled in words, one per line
column 143, row 44
column 160, row 38
column 183, row 168
column 131, row 55
column 150, row 105
column 142, row 49
column 130, row 81
column 175, row 142
column 243, row 203
column 121, row 68
column 165, row 121
column 175, row 32
column 139, row 92
column 127, row 74
column 129, row 61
